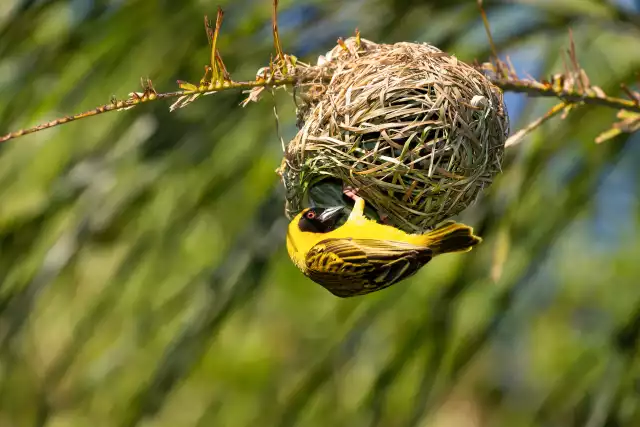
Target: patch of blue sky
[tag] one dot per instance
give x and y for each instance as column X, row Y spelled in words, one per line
column 506, row 22
column 629, row 5
column 616, row 200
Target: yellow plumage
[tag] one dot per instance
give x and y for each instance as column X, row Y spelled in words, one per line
column 363, row 256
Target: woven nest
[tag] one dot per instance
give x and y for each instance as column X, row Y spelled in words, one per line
column 417, row 132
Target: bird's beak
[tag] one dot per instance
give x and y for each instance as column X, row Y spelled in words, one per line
column 330, row 214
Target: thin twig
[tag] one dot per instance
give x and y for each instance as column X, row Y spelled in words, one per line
column 487, row 28
column 216, row 79
column 517, row 137
column 136, row 100
column 534, row 89
column 276, row 36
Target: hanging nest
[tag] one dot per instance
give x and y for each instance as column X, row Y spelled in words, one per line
column 417, row 132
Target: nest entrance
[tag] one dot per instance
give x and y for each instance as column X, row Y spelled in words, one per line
column 417, row 131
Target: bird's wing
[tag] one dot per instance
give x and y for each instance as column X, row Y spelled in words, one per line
column 349, row 267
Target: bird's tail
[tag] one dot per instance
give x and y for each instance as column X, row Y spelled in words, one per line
column 452, row 237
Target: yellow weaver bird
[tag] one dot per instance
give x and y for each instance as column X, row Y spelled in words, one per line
column 363, row 256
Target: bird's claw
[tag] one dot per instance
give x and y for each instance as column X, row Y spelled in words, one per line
column 350, row 192
column 384, row 218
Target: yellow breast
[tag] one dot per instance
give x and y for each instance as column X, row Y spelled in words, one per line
column 300, row 243
column 364, row 228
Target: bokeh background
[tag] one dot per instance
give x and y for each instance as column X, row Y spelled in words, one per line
column 143, row 277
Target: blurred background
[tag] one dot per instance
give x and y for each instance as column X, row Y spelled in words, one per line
column 143, row 276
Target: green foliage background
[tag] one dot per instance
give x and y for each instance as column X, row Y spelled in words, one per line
column 143, row 279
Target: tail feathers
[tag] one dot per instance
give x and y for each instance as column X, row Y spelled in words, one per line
column 452, row 237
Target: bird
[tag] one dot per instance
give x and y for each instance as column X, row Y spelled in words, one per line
column 363, row 256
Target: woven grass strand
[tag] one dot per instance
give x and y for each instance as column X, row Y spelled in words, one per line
column 417, row 131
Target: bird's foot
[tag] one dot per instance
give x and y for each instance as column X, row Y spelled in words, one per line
column 350, row 192
column 384, row 218
column 358, row 206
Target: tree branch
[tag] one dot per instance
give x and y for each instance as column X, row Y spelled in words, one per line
column 571, row 87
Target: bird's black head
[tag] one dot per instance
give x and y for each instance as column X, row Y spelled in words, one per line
column 319, row 220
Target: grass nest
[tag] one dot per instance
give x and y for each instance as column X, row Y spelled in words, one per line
column 416, row 131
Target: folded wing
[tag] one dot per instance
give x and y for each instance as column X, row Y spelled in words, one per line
column 350, row 267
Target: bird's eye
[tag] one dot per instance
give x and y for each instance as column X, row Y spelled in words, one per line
column 310, row 215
